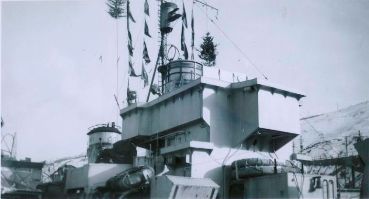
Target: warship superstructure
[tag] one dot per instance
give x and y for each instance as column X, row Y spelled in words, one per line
column 206, row 135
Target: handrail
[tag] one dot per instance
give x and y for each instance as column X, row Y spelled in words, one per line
column 103, row 125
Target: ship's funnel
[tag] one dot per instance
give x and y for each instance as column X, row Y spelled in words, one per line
column 178, row 73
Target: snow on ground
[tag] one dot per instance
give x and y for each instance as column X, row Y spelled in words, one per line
column 324, row 135
column 51, row 166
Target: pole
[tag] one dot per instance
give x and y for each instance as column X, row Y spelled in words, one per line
column 346, row 146
column 12, row 150
column 158, row 58
column 346, row 157
column 153, row 77
column 337, row 184
column 156, row 65
column 352, row 177
column 117, row 64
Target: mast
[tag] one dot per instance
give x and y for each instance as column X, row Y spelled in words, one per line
column 168, row 15
column 162, row 48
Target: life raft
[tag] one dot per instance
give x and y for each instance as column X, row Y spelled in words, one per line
column 253, row 167
column 130, row 179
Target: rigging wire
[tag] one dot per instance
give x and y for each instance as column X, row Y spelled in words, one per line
column 321, row 135
column 117, row 65
column 234, row 153
column 236, row 46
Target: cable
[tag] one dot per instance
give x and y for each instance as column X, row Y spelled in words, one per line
column 236, row 46
column 227, row 158
column 297, row 185
column 316, row 131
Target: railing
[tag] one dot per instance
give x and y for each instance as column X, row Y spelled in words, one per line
column 178, row 73
column 104, row 125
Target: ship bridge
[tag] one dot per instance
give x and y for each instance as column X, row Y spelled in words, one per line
column 256, row 113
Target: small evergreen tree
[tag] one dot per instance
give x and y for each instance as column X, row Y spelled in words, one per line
column 208, row 51
column 115, row 8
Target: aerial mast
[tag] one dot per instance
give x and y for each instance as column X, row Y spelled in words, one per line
column 168, row 14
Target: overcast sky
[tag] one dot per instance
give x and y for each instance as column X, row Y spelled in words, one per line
column 54, row 86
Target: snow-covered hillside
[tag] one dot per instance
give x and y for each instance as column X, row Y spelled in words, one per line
column 51, row 166
column 324, row 135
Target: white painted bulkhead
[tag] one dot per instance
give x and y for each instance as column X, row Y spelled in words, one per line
column 104, row 137
column 162, row 114
column 92, row 175
column 224, row 117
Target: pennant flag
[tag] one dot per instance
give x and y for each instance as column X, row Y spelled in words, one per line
column 184, row 16
column 144, row 76
column 131, row 17
column 129, row 37
column 193, row 28
column 130, row 50
column 129, row 14
column 192, row 37
column 131, row 70
column 145, row 54
column 183, row 43
column 130, row 47
column 147, row 33
column 116, row 100
column 172, row 15
column 147, row 10
column 185, row 52
column 192, row 22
